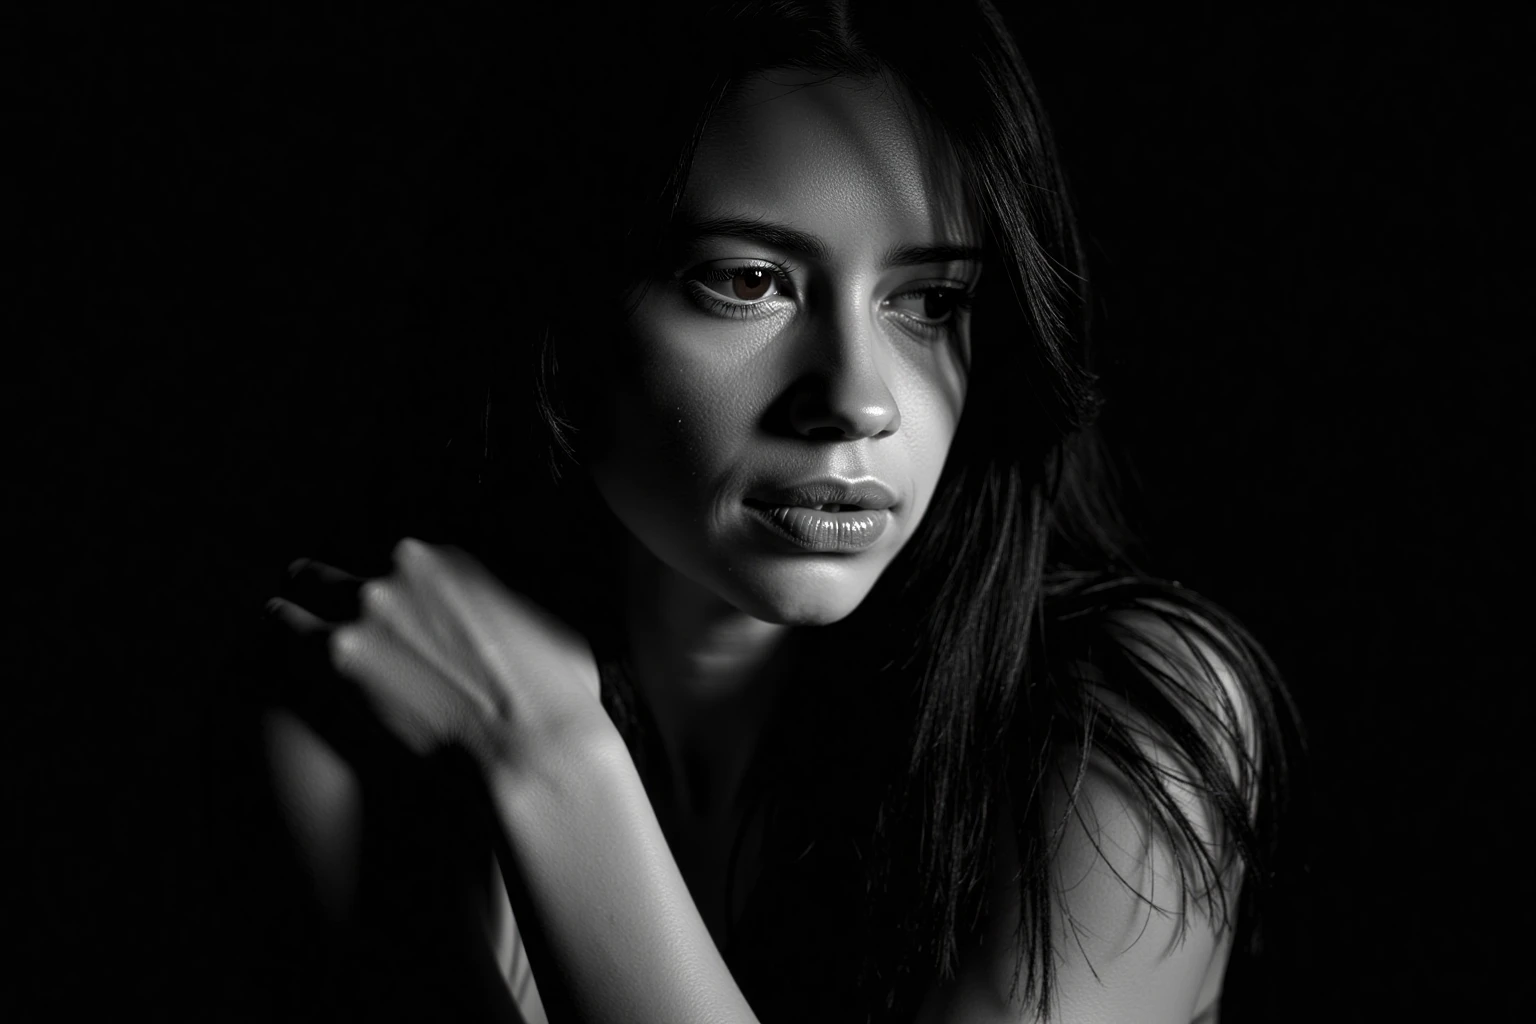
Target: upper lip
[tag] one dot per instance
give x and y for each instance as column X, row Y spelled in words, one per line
column 867, row 493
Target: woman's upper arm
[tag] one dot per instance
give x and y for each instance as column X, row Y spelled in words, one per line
column 1118, row 950
column 319, row 799
column 1128, row 944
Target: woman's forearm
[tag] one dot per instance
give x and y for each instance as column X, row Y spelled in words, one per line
column 611, row 929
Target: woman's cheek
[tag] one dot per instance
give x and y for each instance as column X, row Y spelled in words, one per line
column 702, row 385
column 931, row 396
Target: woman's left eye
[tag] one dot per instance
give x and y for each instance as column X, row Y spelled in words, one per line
column 932, row 305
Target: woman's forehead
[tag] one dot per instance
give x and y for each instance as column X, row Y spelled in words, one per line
column 846, row 159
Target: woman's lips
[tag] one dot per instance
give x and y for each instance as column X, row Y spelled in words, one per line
column 866, row 493
column 822, row 529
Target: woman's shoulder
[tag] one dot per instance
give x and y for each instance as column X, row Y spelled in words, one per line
column 318, row 797
column 1193, row 662
column 1126, row 944
column 1152, row 806
column 1158, row 795
column 1152, row 660
column 1169, row 751
column 1170, row 693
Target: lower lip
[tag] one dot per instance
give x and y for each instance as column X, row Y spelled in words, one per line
column 824, row 531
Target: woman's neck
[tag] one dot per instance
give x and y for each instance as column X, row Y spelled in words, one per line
column 709, row 673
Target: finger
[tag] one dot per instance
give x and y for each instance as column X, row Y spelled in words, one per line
column 405, row 618
column 471, row 593
column 407, row 683
column 447, row 594
column 534, row 632
column 340, row 678
column 326, row 590
column 303, row 681
column 423, row 703
column 299, row 620
column 479, row 601
column 304, row 645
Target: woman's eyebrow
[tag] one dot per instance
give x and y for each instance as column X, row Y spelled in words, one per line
column 775, row 236
column 941, row 252
column 803, row 243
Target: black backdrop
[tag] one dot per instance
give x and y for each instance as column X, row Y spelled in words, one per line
column 238, row 343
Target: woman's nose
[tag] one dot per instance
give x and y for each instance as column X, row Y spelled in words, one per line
column 844, row 396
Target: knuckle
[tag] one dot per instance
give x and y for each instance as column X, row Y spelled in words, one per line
column 409, row 550
column 345, row 648
column 376, row 597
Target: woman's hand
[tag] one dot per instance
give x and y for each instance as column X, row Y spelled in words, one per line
column 444, row 656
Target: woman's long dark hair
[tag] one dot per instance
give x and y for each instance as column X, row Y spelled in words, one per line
column 1004, row 633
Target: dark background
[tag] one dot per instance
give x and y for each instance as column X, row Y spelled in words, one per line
column 238, row 343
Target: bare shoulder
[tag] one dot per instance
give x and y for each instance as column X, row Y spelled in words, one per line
column 1126, row 948
column 1197, row 668
column 1135, row 933
column 319, row 797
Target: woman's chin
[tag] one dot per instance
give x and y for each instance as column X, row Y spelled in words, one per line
column 820, row 600
column 817, row 615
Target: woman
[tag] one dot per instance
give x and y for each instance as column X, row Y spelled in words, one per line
column 813, row 683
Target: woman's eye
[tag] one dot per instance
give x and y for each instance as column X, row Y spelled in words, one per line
column 933, row 305
column 741, row 290
column 742, row 284
column 751, row 283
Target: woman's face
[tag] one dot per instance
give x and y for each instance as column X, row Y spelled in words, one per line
column 786, row 396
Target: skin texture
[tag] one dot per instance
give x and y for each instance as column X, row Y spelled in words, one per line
column 836, row 369
column 833, row 377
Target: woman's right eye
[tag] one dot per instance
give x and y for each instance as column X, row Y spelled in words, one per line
column 747, row 284
column 739, row 289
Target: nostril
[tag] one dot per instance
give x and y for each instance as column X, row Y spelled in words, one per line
column 844, row 424
column 824, row 407
column 826, row 433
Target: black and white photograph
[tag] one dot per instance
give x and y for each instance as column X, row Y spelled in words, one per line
column 761, row 511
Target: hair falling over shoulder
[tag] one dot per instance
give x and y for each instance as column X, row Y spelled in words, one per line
column 1012, row 626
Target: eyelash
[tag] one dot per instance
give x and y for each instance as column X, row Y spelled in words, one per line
column 961, row 300
column 712, row 302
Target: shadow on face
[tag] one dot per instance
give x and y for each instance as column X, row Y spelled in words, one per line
column 788, row 388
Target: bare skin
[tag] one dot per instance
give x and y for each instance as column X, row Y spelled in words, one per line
column 833, row 371
column 721, row 674
column 759, row 363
